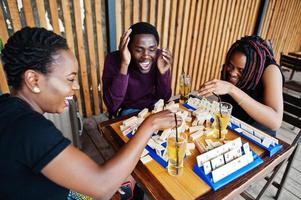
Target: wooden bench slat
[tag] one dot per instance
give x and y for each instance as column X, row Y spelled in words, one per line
column 292, row 109
column 292, row 120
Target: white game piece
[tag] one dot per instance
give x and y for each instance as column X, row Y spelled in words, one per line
column 159, row 150
column 246, row 147
column 159, row 103
column 144, row 153
column 249, row 157
column 188, row 119
column 196, row 135
column 217, row 162
column 187, row 152
column 170, row 104
column 246, row 127
column 266, row 142
column 143, row 113
column 207, row 167
column 195, row 128
column 128, row 130
column 253, row 137
column 229, row 168
column 151, row 143
column 208, row 131
column 201, row 148
column 217, row 144
column 165, row 134
column 157, row 109
column 209, row 143
column 146, row 159
column 184, row 114
column 257, row 134
column 239, row 130
column 190, row 146
column 130, row 121
column 194, row 123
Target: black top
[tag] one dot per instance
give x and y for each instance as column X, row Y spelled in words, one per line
column 28, row 142
column 257, row 94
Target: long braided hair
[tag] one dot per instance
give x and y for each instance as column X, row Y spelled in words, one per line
column 30, row 48
column 258, row 52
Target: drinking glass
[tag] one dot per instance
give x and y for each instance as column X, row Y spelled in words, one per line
column 185, row 85
column 221, row 119
column 176, row 147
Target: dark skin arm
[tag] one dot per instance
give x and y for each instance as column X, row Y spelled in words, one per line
column 269, row 113
column 76, row 171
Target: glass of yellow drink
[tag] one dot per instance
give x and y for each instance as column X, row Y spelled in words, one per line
column 176, row 153
column 221, row 119
column 185, row 85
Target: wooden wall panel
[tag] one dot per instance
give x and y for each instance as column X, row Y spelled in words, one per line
column 65, row 17
column 82, row 57
column 127, row 14
column 182, row 47
column 119, row 17
column 197, row 32
column 4, row 36
column 165, row 36
column 92, row 57
column 41, row 13
column 54, row 16
column 28, row 13
column 282, row 26
column 100, row 47
column 144, row 11
column 14, row 15
column 199, row 37
column 176, row 50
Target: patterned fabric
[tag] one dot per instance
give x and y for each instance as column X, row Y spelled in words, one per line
column 77, row 196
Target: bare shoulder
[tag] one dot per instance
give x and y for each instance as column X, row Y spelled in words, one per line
column 272, row 74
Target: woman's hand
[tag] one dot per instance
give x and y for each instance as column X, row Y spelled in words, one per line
column 163, row 120
column 124, row 51
column 217, row 86
column 164, row 61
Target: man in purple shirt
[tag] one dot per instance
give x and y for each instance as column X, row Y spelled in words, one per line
column 137, row 75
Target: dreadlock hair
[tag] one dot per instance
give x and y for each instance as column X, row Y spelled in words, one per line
column 143, row 28
column 30, row 48
column 258, row 52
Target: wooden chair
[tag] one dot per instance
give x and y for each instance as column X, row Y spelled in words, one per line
column 292, row 109
column 294, row 64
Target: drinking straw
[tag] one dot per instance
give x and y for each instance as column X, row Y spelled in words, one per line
column 220, row 112
column 177, row 140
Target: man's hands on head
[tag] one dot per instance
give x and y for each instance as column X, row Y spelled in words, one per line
column 125, row 52
column 164, row 61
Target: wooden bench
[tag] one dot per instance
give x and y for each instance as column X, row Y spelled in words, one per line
column 292, row 109
column 293, row 64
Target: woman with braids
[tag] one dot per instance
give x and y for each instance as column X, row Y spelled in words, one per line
column 138, row 74
column 37, row 162
column 252, row 82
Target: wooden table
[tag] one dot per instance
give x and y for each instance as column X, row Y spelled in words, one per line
column 160, row 185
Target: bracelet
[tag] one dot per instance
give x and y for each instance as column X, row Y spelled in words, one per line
column 241, row 100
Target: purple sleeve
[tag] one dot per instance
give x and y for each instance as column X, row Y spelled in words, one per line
column 114, row 83
column 164, row 85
